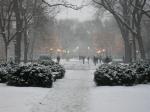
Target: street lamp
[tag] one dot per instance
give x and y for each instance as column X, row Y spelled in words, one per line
column 77, row 48
column 59, row 50
column 104, row 50
column 131, row 46
column 88, row 50
column 68, row 52
column 99, row 51
column 15, row 42
column 51, row 49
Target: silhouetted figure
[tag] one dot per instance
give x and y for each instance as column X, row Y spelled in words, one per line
column 80, row 57
column 123, row 58
column 83, row 58
column 94, row 60
column 100, row 59
column 58, row 59
column 88, row 58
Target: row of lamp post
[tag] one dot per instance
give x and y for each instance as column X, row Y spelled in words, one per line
column 76, row 50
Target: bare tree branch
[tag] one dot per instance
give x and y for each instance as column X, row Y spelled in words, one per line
column 146, row 12
column 65, row 4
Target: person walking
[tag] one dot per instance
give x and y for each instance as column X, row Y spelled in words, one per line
column 83, row 58
column 100, row 59
column 58, row 59
column 88, row 58
column 94, row 60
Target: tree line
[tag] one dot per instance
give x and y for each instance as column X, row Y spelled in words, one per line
column 129, row 15
column 18, row 18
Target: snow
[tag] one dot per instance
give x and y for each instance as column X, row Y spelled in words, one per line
column 120, row 99
column 17, row 99
column 75, row 93
column 68, row 95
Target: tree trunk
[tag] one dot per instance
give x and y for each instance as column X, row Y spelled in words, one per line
column 34, row 28
column 6, row 52
column 127, row 58
column 141, row 46
column 18, row 48
column 125, row 36
column 134, row 49
column 127, row 46
column 19, row 32
column 25, row 47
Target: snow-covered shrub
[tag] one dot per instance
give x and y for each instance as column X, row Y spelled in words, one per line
column 40, row 75
column 107, row 59
column 54, row 67
column 31, row 75
column 46, row 62
column 3, row 75
column 59, row 69
column 127, row 75
column 5, row 70
column 44, row 57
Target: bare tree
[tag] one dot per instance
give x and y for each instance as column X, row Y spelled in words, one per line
column 25, row 13
column 127, row 17
column 6, row 23
column 117, row 10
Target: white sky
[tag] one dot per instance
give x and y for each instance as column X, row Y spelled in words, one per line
column 86, row 13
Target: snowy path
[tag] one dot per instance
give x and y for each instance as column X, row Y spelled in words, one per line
column 68, row 95
column 77, row 93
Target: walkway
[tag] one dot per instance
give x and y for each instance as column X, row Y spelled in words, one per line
column 77, row 93
column 69, row 94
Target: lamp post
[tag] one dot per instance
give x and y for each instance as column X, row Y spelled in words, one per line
column 131, row 46
column 51, row 51
column 78, row 50
column 15, row 42
column 104, row 51
column 88, row 50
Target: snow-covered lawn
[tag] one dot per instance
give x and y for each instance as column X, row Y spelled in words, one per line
column 120, row 99
column 17, row 99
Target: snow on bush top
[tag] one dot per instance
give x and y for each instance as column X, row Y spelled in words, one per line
column 117, row 74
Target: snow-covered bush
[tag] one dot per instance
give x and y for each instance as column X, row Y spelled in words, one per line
column 5, row 70
column 31, row 75
column 41, row 75
column 3, row 75
column 54, row 67
column 59, row 69
column 46, row 62
column 127, row 75
column 44, row 57
column 107, row 59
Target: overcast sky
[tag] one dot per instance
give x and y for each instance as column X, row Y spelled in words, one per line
column 86, row 13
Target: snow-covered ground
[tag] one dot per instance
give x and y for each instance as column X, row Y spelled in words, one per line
column 120, row 99
column 17, row 99
column 75, row 93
